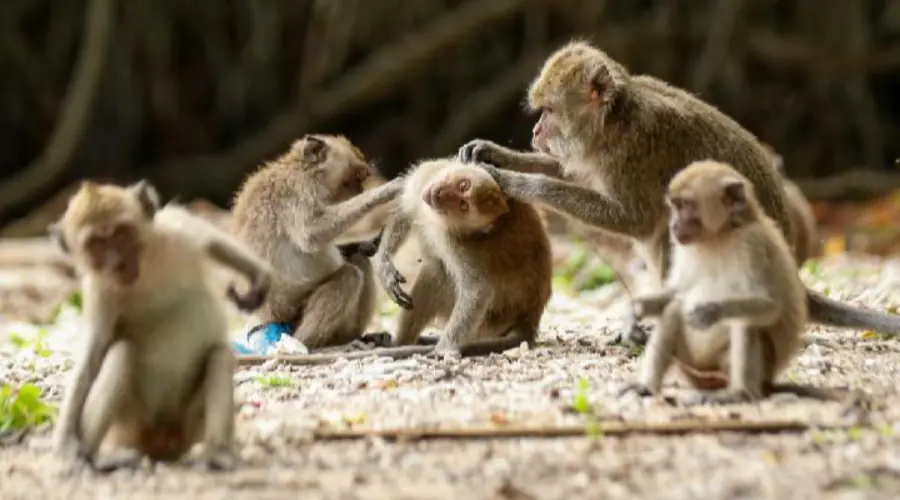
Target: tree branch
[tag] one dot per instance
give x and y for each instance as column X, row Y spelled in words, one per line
column 76, row 109
column 372, row 79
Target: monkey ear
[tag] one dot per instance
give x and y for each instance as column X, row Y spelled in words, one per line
column 778, row 162
column 55, row 232
column 147, row 196
column 733, row 192
column 314, row 150
column 603, row 86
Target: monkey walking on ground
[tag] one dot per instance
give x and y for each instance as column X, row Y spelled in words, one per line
column 486, row 270
column 291, row 212
column 733, row 308
column 596, row 123
column 155, row 374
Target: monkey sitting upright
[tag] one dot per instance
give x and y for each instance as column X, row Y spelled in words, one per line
column 290, row 212
column 486, row 261
column 732, row 311
column 155, row 375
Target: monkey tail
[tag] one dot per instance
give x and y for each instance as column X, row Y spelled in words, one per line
column 826, row 311
column 802, row 391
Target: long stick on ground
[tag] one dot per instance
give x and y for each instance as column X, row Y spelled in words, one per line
column 328, row 358
column 603, row 428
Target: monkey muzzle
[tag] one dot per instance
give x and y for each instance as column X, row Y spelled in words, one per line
column 684, row 233
column 440, row 197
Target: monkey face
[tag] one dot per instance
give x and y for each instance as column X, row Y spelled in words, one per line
column 714, row 210
column 685, row 224
column 467, row 199
column 112, row 249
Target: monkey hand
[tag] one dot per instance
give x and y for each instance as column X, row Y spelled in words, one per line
column 391, row 279
column 704, row 315
column 483, row 151
column 253, row 298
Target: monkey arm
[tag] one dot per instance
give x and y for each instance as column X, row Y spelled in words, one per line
column 533, row 162
column 468, row 314
column 652, row 305
column 101, row 331
column 322, row 227
column 393, row 235
column 584, row 204
column 484, row 151
column 757, row 311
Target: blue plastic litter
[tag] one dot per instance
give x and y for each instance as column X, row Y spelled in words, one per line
column 262, row 338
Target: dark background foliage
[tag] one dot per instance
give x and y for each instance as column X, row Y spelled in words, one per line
column 194, row 94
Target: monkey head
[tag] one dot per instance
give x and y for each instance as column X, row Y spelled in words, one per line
column 574, row 93
column 334, row 161
column 104, row 227
column 466, row 197
column 706, row 200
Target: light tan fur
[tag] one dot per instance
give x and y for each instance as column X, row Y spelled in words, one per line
column 155, row 374
column 486, row 270
column 733, row 303
column 292, row 211
column 621, row 138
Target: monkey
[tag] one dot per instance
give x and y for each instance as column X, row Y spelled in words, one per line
column 623, row 137
column 807, row 243
column 291, row 211
column 155, row 374
column 487, row 266
column 732, row 302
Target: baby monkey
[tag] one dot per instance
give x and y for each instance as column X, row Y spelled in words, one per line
column 486, row 261
column 155, row 374
column 733, row 307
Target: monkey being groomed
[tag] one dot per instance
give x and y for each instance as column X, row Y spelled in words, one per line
column 486, row 261
column 596, row 122
column 155, row 374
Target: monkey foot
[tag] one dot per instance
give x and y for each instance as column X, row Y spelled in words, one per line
column 636, row 336
column 117, row 460
column 637, row 388
column 379, row 339
column 219, row 461
column 719, row 397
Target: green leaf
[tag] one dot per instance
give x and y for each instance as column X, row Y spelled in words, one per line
column 581, row 402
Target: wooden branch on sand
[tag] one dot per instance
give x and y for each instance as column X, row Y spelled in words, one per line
column 679, row 427
column 79, row 101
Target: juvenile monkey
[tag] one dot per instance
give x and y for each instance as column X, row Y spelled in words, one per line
column 291, row 212
column 806, row 241
column 486, row 260
column 733, row 302
column 624, row 137
column 155, row 375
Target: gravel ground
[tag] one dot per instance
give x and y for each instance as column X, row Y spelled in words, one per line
column 280, row 407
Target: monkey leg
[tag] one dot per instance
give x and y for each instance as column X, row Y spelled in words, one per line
column 746, row 366
column 216, row 394
column 367, row 292
column 511, row 339
column 109, row 405
column 429, row 293
column 660, row 352
column 331, row 315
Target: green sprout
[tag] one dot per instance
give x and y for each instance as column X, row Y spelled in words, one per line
column 23, row 408
column 274, row 381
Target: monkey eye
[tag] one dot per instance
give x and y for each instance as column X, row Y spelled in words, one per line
column 464, row 184
column 464, row 206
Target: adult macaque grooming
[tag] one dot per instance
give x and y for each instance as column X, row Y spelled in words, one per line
column 155, row 375
column 806, row 238
column 486, row 261
column 733, row 304
column 625, row 136
column 290, row 212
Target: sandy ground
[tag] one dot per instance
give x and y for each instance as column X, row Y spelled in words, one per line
column 280, row 407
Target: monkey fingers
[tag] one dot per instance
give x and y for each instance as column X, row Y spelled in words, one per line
column 249, row 301
column 479, row 151
column 637, row 388
column 391, row 279
column 379, row 339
